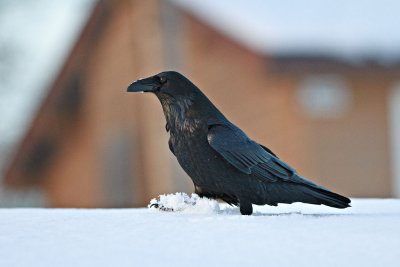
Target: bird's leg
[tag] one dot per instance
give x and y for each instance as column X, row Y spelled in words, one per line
column 245, row 207
column 198, row 191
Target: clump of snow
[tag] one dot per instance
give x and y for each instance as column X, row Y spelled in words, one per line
column 181, row 202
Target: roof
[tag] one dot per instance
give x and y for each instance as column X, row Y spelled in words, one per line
column 346, row 29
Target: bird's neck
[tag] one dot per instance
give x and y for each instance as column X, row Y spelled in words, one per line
column 187, row 115
column 178, row 116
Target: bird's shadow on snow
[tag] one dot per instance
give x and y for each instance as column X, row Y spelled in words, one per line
column 231, row 211
column 235, row 211
column 323, row 215
column 315, row 215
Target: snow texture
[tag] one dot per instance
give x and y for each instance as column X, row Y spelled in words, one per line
column 181, row 202
column 367, row 234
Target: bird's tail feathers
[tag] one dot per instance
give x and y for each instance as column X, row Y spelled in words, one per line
column 329, row 198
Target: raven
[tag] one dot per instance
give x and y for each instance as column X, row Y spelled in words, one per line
column 223, row 162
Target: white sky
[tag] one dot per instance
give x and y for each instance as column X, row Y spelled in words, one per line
column 338, row 27
column 35, row 36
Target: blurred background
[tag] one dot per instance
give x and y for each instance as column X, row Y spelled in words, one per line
column 318, row 82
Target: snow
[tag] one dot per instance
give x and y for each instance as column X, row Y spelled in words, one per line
column 181, row 202
column 367, row 234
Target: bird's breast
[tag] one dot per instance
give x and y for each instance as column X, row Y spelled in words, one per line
column 191, row 149
column 201, row 162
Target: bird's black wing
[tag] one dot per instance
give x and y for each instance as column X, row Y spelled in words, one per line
column 248, row 156
column 251, row 158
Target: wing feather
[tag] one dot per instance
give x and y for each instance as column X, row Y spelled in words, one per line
column 245, row 154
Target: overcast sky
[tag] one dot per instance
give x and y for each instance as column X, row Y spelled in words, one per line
column 35, row 36
column 340, row 27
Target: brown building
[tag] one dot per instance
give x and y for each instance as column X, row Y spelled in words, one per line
column 94, row 145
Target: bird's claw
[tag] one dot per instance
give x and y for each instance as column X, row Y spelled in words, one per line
column 160, row 207
column 180, row 201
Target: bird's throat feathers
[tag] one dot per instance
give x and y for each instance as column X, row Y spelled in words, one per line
column 180, row 113
column 188, row 113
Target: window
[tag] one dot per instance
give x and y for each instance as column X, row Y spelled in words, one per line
column 324, row 96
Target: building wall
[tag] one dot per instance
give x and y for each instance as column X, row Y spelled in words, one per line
column 351, row 154
column 87, row 172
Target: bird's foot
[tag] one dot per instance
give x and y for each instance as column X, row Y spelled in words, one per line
column 245, row 207
column 160, row 207
column 173, row 202
column 181, row 202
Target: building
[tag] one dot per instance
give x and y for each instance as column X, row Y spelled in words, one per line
column 94, row 145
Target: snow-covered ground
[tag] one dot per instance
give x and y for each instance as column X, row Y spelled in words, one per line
column 367, row 234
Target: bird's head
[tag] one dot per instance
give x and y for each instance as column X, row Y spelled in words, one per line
column 168, row 84
column 179, row 97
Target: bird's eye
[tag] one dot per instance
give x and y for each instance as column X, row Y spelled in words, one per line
column 163, row 79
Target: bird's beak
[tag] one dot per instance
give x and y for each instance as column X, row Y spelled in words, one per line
column 150, row 84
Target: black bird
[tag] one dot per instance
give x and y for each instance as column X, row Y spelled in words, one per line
column 221, row 159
